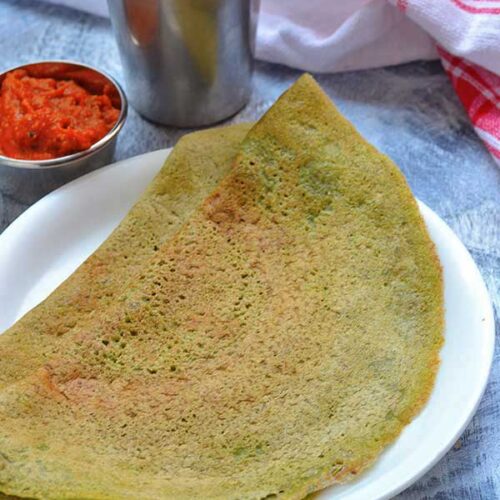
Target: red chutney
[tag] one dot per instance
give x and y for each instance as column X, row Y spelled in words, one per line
column 44, row 118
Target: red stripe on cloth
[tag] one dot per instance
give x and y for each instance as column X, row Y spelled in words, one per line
column 479, row 92
column 476, row 10
column 402, row 5
column 492, row 149
column 484, row 78
column 480, row 79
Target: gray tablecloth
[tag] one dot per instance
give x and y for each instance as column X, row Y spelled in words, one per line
column 410, row 112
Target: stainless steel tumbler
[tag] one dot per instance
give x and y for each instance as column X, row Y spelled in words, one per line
column 187, row 63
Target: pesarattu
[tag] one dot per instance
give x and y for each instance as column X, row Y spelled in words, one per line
column 275, row 345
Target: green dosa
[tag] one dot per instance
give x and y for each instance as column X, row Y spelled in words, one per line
column 275, row 345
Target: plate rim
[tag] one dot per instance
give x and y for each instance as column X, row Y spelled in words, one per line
column 19, row 220
column 489, row 326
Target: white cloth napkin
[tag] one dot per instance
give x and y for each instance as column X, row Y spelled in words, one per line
column 328, row 36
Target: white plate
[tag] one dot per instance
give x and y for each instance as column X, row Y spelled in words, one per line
column 48, row 241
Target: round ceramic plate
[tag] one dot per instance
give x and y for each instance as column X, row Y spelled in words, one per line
column 48, row 241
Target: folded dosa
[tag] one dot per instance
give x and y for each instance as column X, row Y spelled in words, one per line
column 275, row 345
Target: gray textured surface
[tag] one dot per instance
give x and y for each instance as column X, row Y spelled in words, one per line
column 410, row 112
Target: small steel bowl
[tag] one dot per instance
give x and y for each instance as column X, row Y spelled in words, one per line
column 28, row 180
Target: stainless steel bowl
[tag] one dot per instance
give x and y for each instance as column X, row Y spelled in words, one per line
column 28, row 180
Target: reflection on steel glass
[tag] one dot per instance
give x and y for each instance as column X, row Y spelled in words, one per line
column 186, row 62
